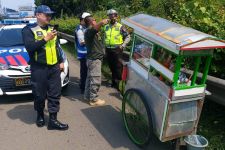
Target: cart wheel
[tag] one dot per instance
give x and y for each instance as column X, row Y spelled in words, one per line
column 137, row 117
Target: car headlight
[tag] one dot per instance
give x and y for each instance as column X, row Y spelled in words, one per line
column 4, row 66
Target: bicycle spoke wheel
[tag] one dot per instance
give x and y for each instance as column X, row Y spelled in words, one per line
column 137, row 117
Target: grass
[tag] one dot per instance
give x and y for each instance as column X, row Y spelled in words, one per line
column 212, row 125
column 212, row 121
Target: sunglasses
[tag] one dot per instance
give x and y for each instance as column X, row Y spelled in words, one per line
column 111, row 15
column 48, row 15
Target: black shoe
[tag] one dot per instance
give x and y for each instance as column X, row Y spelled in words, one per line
column 115, row 86
column 54, row 124
column 82, row 90
column 81, row 86
column 40, row 122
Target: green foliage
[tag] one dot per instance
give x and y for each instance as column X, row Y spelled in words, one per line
column 207, row 16
column 212, row 126
column 66, row 25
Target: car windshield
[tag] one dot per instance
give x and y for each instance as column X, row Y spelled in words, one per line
column 11, row 37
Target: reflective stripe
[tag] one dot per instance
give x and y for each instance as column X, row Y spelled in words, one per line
column 1, row 92
column 82, row 52
column 48, row 52
column 81, row 49
column 35, row 56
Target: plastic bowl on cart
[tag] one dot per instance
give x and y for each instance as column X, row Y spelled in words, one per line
column 196, row 142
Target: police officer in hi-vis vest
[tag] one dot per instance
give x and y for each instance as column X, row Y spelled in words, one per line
column 116, row 39
column 46, row 63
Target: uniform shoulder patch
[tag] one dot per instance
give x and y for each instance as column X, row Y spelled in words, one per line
column 106, row 27
column 31, row 25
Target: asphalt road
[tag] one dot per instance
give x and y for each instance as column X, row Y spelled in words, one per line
column 94, row 128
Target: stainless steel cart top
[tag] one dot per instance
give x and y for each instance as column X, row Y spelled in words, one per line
column 170, row 35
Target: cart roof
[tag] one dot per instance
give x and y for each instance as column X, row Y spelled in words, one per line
column 170, row 35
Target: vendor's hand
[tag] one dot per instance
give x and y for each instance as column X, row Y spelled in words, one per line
column 50, row 35
column 61, row 66
column 120, row 49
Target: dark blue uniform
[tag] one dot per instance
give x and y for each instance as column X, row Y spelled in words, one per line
column 45, row 79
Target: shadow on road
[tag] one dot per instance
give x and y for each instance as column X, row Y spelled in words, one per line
column 72, row 92
column 16, row 99
column 24, row 113
column 108, row 122
column 116, row 94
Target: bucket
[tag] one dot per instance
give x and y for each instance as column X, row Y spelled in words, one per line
column 196, row 142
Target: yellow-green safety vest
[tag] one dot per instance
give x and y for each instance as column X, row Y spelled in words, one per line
column 48, row 54
column 113, row 36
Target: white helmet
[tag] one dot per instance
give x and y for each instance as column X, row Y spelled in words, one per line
column 85, row 14
column 111, row 11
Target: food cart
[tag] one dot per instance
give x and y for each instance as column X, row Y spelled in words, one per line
column 163, row 94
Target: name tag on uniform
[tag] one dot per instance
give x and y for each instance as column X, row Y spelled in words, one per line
column 39, row 33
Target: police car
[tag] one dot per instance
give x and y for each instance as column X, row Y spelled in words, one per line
column 15, row 75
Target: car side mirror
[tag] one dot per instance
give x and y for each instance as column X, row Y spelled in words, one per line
column 62, row 41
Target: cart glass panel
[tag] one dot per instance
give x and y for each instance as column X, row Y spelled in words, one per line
column 163, row 64
column 142, row 50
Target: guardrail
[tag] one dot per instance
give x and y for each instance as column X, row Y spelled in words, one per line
column 68, row 37
column 215, row 86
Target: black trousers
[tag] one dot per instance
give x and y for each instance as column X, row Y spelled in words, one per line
column 46, row 84
column 113, row 57
column 83, row 73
